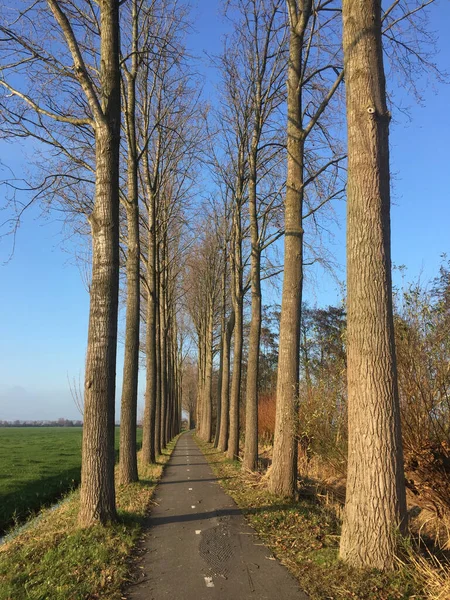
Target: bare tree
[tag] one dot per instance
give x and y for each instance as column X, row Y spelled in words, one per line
column 375, row 499
column 168, row 133
column 312, row 82
column 260, row 37
column 189, row 389
column 230, row 167
column 128, row 471
column 203, row 294
column 227, row 327
column 57, row 55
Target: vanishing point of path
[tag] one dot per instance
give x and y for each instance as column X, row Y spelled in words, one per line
column 199, row 546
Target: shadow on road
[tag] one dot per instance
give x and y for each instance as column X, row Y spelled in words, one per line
column 223, row 512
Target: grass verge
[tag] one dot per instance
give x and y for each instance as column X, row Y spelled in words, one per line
column 304, row 536
column 53, row 559
column 39, row 465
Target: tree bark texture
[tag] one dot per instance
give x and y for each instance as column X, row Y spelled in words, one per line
column 97, row 496
column 283, row 475
column 375, row 502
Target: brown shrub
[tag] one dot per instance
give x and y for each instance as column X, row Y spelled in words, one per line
column 428, row 477
column 266, row 417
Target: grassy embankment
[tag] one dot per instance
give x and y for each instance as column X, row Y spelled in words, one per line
column 37, row 466
column 53, row 559
column 304, row 535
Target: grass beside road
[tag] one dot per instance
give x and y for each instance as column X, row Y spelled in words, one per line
column 53, row 559
column 304, row 536
column 37, row 466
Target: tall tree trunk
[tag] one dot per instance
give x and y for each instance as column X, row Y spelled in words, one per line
column 158, row 361
column 251, row 408
column 128, row 470
column 148, row 436
column 375, row 500
column 127, row 451
column 233, row 437
column 163, row 365
column 170, row 382
column 223, row 384
column 174, row 423
column 179, row 390
column 225, row 391
column 283, row 476
column 207, row 391
column 163, row 291
column 200, row 381
column 178, row 387
column 97, row 496
column 223, row 326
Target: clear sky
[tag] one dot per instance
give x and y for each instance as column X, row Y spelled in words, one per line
column 43, row 302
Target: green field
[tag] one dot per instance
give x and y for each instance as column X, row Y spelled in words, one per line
column 37, row 466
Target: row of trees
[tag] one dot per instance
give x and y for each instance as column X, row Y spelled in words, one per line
column 273, row 41
column 109, row 90
column 104, row 92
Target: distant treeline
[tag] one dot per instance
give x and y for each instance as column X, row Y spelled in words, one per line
column 58, row 423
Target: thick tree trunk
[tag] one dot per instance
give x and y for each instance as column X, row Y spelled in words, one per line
column 97, row 496
column 375, row 500
column 128, row 470
column 251, row 407
column 283, row 475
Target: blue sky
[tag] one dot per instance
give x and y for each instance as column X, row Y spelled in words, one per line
column 43, row 303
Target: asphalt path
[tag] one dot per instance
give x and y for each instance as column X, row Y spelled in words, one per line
column 199, row 546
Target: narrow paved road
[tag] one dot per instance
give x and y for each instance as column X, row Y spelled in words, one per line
column 199, row 546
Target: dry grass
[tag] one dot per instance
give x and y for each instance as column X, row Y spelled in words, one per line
column 425, row 564
column 304, row 535
column 429, row 573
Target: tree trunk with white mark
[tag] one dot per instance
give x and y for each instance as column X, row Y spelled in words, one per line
column 375, row 500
